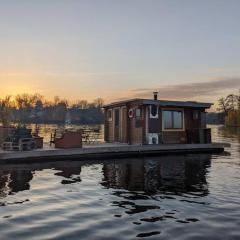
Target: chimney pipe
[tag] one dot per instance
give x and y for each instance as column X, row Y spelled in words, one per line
column 155, row 95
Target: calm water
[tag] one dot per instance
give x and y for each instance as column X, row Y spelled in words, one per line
column 45, row 130
column 173, row 197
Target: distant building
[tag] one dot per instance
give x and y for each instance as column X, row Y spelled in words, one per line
column 153, row 121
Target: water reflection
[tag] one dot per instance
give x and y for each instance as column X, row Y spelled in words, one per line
column 171, row 197
column 172, row 174
column 18, row 179
column 45, row 130
column 69, row 172
column 14, row 181
column 231, row 133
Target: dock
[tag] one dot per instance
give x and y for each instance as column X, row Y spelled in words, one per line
column 106, row 151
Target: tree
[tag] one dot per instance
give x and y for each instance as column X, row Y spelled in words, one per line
column 238, row 100
column 80, row 104
column 98, row 103
column 5, row 108
column 223, row 105
column 25, row 103
column 230, row 106
column 56, row 100
column 33, row 108
column 61, row 111
column 231, row 101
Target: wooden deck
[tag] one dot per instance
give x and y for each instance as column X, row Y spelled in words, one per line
column 106, row 151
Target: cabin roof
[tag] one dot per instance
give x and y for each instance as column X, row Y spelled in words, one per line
column 162, row 103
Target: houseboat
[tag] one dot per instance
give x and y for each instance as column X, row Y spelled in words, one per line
column 146, row 127
column 153, row 121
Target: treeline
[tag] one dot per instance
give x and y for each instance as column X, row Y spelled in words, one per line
column 230, row 108
column 34, row 108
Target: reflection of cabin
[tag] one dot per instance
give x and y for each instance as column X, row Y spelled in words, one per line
column 178, row 174
column 153, row 121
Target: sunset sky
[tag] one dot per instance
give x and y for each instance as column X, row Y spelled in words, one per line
column 119, row 49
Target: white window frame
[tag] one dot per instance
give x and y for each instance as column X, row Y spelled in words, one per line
column 150, row 111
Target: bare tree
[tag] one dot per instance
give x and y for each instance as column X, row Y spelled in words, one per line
column 231, row 100
column 5, row 107
column 230, row 106
column 98, row 102
column 238, row 100
column 223, row 105
column 80, row 104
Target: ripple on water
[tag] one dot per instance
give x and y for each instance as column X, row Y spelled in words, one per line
column 173, row 197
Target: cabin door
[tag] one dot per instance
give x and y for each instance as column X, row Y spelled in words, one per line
column 123, row 124
column 203, row 120
column 117, row 125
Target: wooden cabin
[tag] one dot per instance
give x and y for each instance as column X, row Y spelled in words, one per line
column 153, row 121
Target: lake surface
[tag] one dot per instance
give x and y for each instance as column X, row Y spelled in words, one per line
column 173, row 197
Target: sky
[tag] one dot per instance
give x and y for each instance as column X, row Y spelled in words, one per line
column 85, row 49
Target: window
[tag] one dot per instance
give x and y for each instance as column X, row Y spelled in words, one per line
column 195, row 114
column 173, row 119
column 153, row 111
column 167, row 119
column 138, row 118
column 109, row 114
column 138, row 113
column 116, row 117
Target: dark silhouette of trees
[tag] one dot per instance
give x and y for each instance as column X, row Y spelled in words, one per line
column 34, row 108
column 5, row 110
column 223, row 105
column 230, row 107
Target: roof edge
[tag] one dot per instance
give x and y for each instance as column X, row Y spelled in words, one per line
column 164, row 103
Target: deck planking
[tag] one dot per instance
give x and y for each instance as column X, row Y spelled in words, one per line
column 106, row 151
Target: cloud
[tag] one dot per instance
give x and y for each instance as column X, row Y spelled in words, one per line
column 190, row 90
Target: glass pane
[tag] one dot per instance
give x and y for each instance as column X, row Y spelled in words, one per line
column 167, row 118
column 177, row 119
column 195, row 114
column 138, row 113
